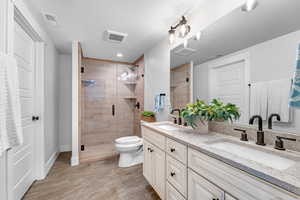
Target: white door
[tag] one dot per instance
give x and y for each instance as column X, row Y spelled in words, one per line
column 21, row 159
column 228, row 85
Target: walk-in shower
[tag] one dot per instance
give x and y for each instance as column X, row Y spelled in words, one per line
column 109, row 94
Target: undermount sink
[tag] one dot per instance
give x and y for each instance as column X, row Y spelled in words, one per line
column 252, row 153
column 167, row 127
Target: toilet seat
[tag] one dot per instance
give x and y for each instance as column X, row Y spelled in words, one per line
column 128, row 140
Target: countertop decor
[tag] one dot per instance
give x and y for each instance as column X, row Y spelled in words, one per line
column 214, row 111
column 148, row 116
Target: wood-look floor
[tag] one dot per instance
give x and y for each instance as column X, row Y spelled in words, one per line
column 101, row 180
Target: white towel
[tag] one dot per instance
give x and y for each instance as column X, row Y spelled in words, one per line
column 10, row 108
column 278, row 98
column 259, row 99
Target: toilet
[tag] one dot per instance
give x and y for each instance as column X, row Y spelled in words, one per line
column 130, row 149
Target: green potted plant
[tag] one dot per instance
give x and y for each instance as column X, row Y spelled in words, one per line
column 200, row 112
column 148, row 116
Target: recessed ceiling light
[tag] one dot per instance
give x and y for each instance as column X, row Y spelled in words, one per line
column 120, row 55
column 250, row 5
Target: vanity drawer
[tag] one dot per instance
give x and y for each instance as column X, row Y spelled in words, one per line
column 177, row 175
column 234, row 181
column 154, row 137
column 172, row 193
column 200, row 188
column 177, row 150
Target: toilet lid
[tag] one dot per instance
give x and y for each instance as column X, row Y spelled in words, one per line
column 128, row 140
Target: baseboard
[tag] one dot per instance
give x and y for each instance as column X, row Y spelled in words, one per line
column 74, row 161
column 65, row 148
column 50, row 163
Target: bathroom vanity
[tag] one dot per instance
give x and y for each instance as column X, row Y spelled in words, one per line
column 181, row 164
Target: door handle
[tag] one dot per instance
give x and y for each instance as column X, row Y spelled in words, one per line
column 113, row 110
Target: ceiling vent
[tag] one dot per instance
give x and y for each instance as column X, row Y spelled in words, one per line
column 185, row 51
column 51, row 19
column 114, row 36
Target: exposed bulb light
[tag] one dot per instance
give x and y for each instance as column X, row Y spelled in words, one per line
column 198, row 35
column 181, row 29
column 172, row 35
column 250, row 5
column 120, row 55
column 185, row 43
column 184, row 28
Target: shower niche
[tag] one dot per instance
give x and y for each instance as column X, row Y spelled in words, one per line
column 110, row 93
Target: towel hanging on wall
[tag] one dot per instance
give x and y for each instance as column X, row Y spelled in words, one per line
column 159, row 102
column 295, row 92
column 10, row 108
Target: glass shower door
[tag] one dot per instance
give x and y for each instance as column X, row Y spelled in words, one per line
column 99, row 109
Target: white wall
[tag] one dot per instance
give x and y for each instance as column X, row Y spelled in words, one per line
column 270, row 60
column 51, row 102
column 65, row 102
column 157, row 77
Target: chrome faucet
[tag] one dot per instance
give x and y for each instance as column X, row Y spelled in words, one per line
column 271, row 118
column 260, row 140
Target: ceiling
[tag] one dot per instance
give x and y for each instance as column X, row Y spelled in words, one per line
column 146, row 23
column 239, row 30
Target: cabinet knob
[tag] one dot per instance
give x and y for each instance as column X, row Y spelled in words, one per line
column 173, row 174
column 172, row 149
column 35, row 118
column 151, row 150
column 215, row 198
column 148, row 149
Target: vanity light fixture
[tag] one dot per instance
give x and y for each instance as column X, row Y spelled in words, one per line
column 249, row 5
column 183, row 30
column 120, row 55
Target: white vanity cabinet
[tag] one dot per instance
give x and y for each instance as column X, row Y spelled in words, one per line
column 154, row 167
column 178, row 172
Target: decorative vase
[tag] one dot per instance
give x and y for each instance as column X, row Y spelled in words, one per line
column 202, row 126
column 148, row 119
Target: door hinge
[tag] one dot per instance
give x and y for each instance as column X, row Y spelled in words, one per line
column 82, row 69
column 82, row 147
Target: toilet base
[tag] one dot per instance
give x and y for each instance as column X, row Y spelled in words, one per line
column 130, row 159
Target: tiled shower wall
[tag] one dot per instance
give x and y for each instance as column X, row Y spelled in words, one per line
column 99, row 126
column 180, row 86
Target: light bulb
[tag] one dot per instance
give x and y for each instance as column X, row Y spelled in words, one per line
column 172, row 36
column 250, row 5
column 198, row 35
column 185, row 43
column 182, row 30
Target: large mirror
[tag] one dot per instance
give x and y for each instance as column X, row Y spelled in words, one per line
column 245, row 58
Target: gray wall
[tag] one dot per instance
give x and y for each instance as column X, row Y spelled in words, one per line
column 270, row 60
column 65, row 102
column 157, row 77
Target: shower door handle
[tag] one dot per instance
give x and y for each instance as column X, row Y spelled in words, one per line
column 113, row 110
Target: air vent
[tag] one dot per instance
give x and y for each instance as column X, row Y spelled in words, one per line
column 185, row 51
column 51, row 19
column 114, row 36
